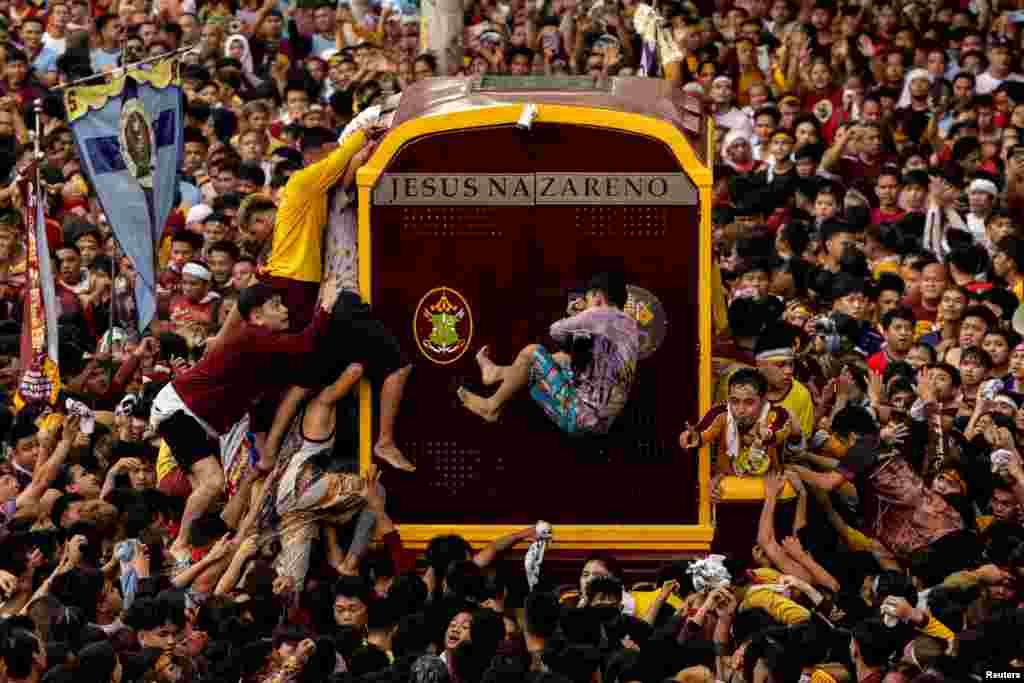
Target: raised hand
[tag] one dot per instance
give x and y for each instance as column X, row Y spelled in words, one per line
column 894, row 433
column 148, row 346
column 725, row 603
column 73, row 549
column 8, row 583
column 793, row 546
column 72, row 425
column 924, row 385
column 689, row 438
column 899, row 608
column 283, row 585
column 222, row 547
column 875, row 387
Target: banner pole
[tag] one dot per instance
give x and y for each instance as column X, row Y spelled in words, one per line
column 96, row 79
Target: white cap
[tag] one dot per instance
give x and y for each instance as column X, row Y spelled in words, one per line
column 197, row 270
column 198, row 214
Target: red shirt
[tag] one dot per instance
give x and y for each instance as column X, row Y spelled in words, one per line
column 169, row 279
column 878, row 217
column 249, row 363
column 854, row 169
column 918, row 307
column 879, row 362
column 183, row 311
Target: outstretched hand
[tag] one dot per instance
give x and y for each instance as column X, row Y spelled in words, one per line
column 689, row 438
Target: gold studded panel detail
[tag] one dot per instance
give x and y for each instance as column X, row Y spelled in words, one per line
column 623, row 222
column 462, row 222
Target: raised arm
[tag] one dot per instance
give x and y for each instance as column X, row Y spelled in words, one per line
column 667, row 589
column 485, row 557
column 229, row 579
column 800, row 519
column 217, row 554
column 47, row 472
column 827, row 481
column 766, row 532
column 819, row 574
column 279, row 427
column 261, row 16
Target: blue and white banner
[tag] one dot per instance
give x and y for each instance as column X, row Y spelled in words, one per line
column 129, row 136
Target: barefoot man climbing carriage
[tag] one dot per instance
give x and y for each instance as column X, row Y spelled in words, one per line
column 584, row 392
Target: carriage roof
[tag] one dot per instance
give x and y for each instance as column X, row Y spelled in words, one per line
column 650, row 97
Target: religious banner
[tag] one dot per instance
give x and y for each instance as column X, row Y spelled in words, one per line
column 40, row 383
column 129, row 137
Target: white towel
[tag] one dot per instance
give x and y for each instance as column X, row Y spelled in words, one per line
column 88, row 417
column 732, row 432
column 709, row 573
column 535, row 554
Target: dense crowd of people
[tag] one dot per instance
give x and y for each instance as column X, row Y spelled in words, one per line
column 184, row 504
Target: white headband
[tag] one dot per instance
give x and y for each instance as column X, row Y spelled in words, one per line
column 1003, row 398
column 982, row 185
column 197, row 270
column 781, row 354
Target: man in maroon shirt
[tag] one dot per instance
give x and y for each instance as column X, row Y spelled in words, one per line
column 240, row 366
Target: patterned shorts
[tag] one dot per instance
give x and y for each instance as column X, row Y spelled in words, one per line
column 551, row 386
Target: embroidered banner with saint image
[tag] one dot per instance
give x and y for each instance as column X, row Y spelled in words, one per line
column 129, row 137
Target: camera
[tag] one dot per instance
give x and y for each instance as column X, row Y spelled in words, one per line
column 825, row 328
column 838, row 332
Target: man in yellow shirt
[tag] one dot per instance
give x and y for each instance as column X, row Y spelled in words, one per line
column 295, row 266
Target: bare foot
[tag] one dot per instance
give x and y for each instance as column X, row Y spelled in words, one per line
column 490, row 372
column 390, row 454
column 478, row 404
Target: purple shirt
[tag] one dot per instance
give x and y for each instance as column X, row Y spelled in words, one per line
column 602, row 389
